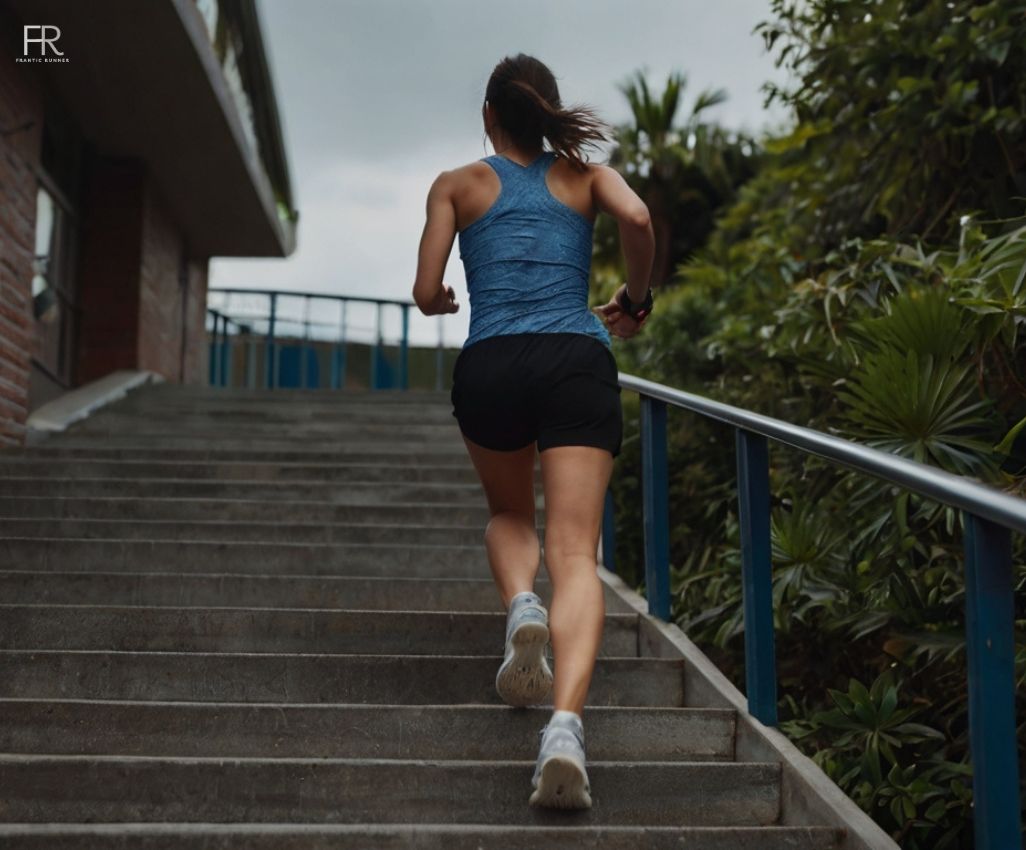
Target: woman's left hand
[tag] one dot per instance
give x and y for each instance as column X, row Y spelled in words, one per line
column 447, row 301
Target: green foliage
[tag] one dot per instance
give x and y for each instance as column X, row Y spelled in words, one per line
column 685, row 170
column 869, row 280
column 907, row 112
column 857, row 743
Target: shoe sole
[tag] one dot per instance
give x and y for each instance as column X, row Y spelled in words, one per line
column 525, row 677
column 561, row 785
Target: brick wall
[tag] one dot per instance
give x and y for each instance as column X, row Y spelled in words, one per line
column 141, row 297
column 108, row 268
column 20, row 104
column 172, row 298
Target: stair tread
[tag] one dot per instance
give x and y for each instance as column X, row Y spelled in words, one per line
column 211, row 636
column 444, row 836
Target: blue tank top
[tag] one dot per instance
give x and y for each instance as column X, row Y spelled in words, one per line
column 527, row 260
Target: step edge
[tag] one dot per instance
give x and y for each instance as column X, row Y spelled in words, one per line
column 807, row 793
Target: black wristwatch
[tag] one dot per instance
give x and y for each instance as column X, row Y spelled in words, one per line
column 634, row 309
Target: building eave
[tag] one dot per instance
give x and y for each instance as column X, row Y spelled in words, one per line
column 143, row 80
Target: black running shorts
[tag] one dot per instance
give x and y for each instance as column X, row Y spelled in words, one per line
column 559, row 389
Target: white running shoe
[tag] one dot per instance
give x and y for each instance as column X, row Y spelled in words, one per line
column 560, row 778
column 525, row 678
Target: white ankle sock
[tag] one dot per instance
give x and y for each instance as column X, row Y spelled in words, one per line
column 562, row 714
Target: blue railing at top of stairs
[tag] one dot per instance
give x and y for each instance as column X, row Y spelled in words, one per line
column 256, row 319
column 990, row 517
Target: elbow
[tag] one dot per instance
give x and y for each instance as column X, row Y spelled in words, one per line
column 640, row 218
column 422, row 305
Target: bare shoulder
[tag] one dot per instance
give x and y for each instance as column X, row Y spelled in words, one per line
column 454, row 182
column 601, row 171
column 585, row 169
column 585, row 177
column 470, row 169
column 465, row 178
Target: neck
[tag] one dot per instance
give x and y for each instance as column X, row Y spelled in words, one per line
column 503, row 145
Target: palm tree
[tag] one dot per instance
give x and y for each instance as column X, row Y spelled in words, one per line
column 684, row 174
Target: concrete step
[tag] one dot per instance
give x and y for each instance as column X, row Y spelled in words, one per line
column 138, row 628
column 266, row 619
column 274, row 444
column 310, row 677
column 195, row 556
column 414, row 837
column 234, row 470
column 184, row 509
column 339, row 433
column 250, row 532
column 203, row 790
column 264, row 591
column 130, row 449
column 156, row 394
column 342, row 493
column 219, row 414
column 233, row 730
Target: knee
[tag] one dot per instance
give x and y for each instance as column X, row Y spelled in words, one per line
column 561, row 548
column 511, row 518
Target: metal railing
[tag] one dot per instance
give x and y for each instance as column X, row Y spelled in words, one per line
column 258, row 321
column 990, row 517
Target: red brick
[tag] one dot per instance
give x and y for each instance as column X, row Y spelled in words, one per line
column 134, row 312
column 20, row 102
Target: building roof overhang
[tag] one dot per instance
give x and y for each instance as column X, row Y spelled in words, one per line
column 143, row 80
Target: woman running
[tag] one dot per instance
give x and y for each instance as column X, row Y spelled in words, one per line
column 537, row 373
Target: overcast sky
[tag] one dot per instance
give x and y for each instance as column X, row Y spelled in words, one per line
column 378, row 96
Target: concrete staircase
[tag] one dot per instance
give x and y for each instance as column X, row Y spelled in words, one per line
column 266, row 620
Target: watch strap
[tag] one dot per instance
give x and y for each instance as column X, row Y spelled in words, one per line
column 636, row 310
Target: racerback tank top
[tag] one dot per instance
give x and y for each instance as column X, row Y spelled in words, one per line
column 527, row 260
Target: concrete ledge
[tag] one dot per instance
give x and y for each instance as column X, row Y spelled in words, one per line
column 78, row 403
column 808, row 796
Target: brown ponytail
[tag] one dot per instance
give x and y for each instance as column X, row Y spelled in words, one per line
column 525, row 96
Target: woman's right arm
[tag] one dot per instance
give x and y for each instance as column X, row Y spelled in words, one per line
column 612, row 195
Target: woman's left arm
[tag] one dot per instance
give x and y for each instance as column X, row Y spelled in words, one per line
column 431, row 295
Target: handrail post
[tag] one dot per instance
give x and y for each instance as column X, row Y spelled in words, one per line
column 404, row 350
column 757, row 575
column 655, row 506
column 336, row 352
column 220, row 327
column 270, row 341
column 990, row 656
column 250, row 360
column 226, row 356
column 304, row 379
column 230, row 355
column 376, row 352
column 212, row 350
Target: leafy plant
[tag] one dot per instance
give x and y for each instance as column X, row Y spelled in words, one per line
column 867, row 277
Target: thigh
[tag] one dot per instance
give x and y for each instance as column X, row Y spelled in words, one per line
column 507, row 477
column 575, row 479
column 579, row 404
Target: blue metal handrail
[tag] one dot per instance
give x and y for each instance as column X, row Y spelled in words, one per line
column 220, row 347
column 990, row 517
column 381, row 370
